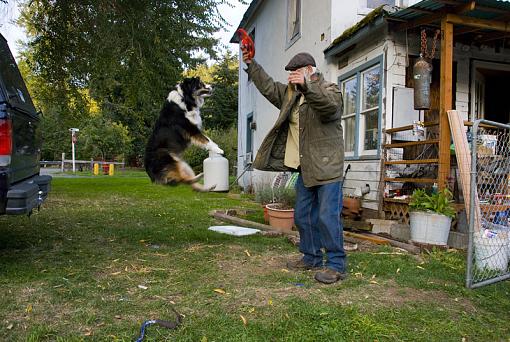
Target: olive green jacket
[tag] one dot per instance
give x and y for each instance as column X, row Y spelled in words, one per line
column 321, row 144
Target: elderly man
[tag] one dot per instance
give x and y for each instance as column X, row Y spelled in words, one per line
column 307, row 138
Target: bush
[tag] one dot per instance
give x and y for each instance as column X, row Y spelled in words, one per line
column 226, row 140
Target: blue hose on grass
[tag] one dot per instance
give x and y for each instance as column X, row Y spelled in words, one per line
column 164, row 324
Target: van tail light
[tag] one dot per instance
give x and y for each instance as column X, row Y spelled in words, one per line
column 5, row 141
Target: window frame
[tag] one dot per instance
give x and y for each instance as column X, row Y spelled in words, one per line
column 357, row 73
column 249, row 134
column 289, row 38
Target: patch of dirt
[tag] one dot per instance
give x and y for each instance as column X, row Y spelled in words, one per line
column 241, row 272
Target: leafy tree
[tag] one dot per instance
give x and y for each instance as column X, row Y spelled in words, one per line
column 125, row 54
column 220, row 110
column 105, row 139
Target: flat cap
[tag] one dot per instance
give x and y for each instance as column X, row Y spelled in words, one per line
column 300, row 60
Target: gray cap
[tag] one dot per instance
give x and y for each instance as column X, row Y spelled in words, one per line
column 300, row 60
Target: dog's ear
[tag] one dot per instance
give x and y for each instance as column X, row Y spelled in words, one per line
column 186, row 85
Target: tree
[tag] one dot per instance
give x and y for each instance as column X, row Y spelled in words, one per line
column 126, row 55
column 104, row 139
column 220, row 110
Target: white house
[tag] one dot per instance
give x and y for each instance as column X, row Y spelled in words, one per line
column 369, row 51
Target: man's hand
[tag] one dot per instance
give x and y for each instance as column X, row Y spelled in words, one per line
column 246, row 58
column 297, row 77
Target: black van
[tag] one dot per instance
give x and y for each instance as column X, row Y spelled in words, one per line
column 21, row 187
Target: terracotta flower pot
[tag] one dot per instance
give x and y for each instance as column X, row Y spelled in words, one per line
column 280, row 218
column 266, row 215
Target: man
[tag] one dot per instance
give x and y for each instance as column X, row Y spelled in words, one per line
column 307, row 137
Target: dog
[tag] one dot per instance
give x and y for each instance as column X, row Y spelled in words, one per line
column 179, row 125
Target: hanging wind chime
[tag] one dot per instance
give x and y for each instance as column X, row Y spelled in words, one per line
column 422, row 73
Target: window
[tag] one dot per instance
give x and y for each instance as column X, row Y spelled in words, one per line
column 249, row 134
column 371, row 89
column 349, row 88
column 293, row 21
column 361, row 91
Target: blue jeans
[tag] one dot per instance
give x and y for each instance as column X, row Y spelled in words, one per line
column 317, row 216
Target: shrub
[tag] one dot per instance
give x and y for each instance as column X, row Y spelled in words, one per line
column 226, row 140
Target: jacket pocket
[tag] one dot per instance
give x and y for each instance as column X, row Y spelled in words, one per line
column 326, row 158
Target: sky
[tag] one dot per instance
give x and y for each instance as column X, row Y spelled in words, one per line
column 9, row 13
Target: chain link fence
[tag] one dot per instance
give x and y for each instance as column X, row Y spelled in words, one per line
column 489, row 221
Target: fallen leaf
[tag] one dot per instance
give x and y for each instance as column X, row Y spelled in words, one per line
column 247, row 253
column 88, row 333
column 398, row 270
column 358, row 275
column 220, row 291
column 285, row 270
column 29, row 308
column 251, row 310
column 9, row 327
column 373, row 276
column 142, row 241
column 244, row 320
column 115, row 273
column 421, row 268
column 116, row 260
column 118, row 316
column 270, row 302
column 142, row 287
column 373, row 282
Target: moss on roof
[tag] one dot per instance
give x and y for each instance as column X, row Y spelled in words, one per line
column 369, row 19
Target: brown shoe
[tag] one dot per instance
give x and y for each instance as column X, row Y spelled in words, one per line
column 300, row 265
column 329, row 276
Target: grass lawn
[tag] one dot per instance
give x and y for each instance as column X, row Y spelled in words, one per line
column 73, row 270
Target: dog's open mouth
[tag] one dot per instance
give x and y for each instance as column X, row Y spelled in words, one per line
column 204, row 92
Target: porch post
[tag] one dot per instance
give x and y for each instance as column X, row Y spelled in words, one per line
column 445, row 102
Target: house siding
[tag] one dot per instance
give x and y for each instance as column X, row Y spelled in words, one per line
column 273, row 53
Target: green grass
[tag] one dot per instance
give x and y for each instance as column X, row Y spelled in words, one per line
column 71, row 272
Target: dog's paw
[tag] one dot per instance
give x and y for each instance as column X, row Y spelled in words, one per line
column 218, row 150
column 215, row 148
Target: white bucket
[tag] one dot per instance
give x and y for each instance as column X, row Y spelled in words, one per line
column 429, row 228
column 492, row 253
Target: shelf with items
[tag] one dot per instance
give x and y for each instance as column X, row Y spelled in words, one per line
column 410, row 157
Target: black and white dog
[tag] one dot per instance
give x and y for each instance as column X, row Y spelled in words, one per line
column 179, row 125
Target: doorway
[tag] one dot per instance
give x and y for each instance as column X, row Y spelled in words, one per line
column 489, row 90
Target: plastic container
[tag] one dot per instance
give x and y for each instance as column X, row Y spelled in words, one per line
column 492, row 252
column 216, row 172
column 429, row 228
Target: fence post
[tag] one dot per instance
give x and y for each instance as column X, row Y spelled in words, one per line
column 63, row 160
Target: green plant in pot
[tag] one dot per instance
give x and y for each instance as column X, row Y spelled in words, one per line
column 281, row 211
column 431, row 216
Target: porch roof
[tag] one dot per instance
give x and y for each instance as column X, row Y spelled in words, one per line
column 429, row 13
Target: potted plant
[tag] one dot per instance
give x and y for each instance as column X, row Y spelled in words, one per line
column 264, row 195
column 431, row 216
column 281, row 211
